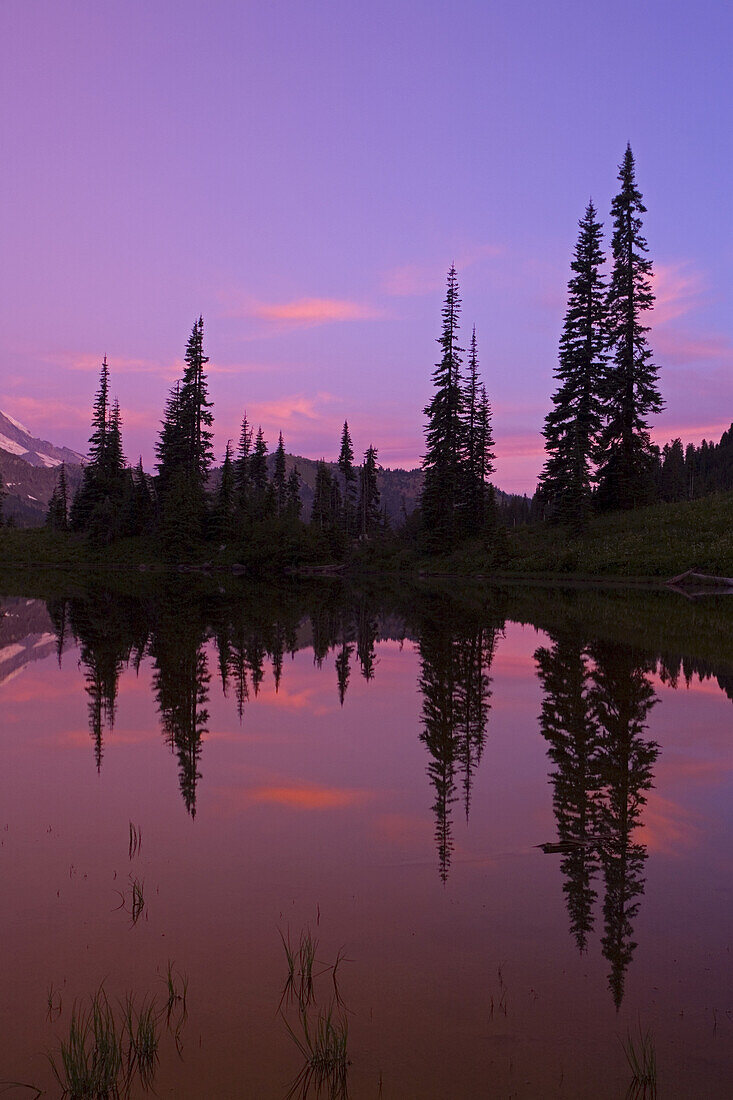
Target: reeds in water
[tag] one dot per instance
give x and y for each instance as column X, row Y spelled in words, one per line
column 324, row 1047
column 89, row 1065
column 642, row 1060
column 136, row 841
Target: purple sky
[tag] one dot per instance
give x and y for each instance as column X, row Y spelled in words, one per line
column 304, row 173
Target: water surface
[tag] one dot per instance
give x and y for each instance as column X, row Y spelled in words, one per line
column 513, row 811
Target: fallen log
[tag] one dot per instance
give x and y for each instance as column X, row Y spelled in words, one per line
column 691, row 576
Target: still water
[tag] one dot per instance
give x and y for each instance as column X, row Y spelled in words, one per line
column 503, row 817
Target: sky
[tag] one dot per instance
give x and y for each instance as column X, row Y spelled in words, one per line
column 303, row 175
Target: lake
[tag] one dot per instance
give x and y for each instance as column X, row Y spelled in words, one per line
column 492, row 827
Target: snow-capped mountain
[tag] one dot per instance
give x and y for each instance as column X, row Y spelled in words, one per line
column 15, row 439
column 29, row 469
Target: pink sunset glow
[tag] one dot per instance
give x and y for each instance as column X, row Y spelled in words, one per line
column 308, row 191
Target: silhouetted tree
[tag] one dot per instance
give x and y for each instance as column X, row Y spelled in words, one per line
column 279, row 482
column 348, row 480
column 622, row 696
column 441, row 493
column 572, row 426
column 225, row 498
column 369, row 515
column 630, row 392
column 57, row 516
column 242, row 473
column 569, row 725
column 294, row 502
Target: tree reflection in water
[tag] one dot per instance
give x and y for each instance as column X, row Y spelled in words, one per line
column 594, row 714
column 597, row 696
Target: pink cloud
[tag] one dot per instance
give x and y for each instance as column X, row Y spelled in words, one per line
column 311, row 311
column 683, row 347
column 310, row 796
column 666, row 827
column 677, row 288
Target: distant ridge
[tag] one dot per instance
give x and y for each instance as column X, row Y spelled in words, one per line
column 29, row 468
column 16, row 439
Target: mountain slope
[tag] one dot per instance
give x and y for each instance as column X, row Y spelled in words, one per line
column 16, row 440
column 29, row 468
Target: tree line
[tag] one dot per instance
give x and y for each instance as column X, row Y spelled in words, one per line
column 184, row 505
column 599, row 452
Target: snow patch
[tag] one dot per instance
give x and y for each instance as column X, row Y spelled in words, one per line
column 47, row 460
column 11, row 447
column 15, row 423
column 9, row 651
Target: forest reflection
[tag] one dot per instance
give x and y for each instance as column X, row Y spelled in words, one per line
column 597, row 697
column 598, row 692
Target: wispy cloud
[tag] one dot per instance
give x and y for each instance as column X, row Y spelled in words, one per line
column 310, row 796
column 684, row 347
column 168, row 369
column 678, row 288
column 307, row 312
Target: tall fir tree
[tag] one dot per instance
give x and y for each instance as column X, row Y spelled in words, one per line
column 476, row 514
column 57, row 517
column 294, row 502
column 485, row 464
column 321, row 513
column 279, row 478
column 97, row 504
column 348, row 479
column 572, row 426
column 170, row 447
column 368, row 509
column 225, row 498
column 241, row 471
column 441, row 494
column 259, row 481
column 196, row 408
column 626, row 455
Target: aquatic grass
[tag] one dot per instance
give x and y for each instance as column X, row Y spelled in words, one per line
column 136, row 841
column 177, row 996
column 642, row 1061
column 136, row 902
column 142, row 1027
column 53, row 1003
column 325, row 1053
column 90, row 1061
column 299, row 981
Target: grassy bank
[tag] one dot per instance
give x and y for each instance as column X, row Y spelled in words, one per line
column 656, row 542
column 660, row 541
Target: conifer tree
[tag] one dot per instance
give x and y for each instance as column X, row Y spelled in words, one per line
column 170, row 448
column 485, row 459
column 196, row 407
column 348, row 479
column 294, row 502
column 224, row 510
column 279, row 483
column 258, row 479
column 242, row 475
column 96, row 505
column 441, row 495
column 100, row 421
column 143, row 503
column 572, row 426
column 57, row 517
column 115, row 459
column 321, row 514
column 3, row 495
column 368, row 512
column 630, row 393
